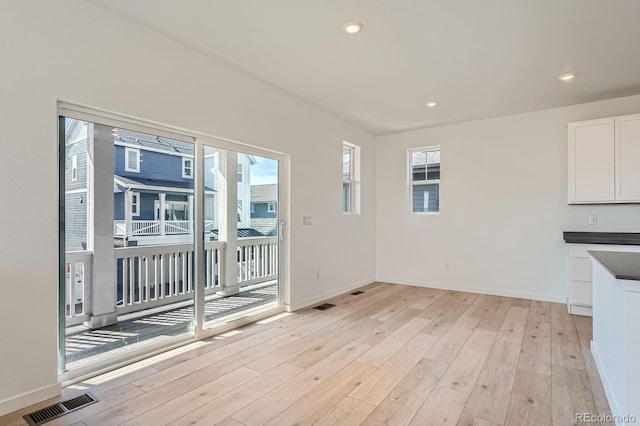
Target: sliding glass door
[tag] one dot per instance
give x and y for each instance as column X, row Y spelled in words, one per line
column 139, row 204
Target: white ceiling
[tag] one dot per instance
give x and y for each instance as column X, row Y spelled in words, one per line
column 478, row 58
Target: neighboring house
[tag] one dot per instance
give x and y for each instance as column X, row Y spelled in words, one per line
column 76, row 194
column 152, row 188
column 264, row 208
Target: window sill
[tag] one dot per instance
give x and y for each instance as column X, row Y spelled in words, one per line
column 425, row 213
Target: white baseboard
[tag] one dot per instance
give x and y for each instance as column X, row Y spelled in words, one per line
column 29, row 398
column 479, row 290
column 581, row 310
column 615, row 411
column 328, row 295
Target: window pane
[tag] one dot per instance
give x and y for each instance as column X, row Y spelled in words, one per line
column 433, row 171
column 426, row 198
column 133, row 160
column 433, row 165
column 346, row 197
column 433, row 157
column 418, row 165
column 418, row 173
column 346, row 164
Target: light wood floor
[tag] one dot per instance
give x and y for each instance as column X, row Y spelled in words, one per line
column 395, row 355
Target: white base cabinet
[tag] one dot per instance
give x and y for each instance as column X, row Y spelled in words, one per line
column 580, row 294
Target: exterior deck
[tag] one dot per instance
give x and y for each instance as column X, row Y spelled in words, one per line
column 134, row 331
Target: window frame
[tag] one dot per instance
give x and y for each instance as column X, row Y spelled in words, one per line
column 411, row 183
column 185, row 168
column 353, row 181
column 128, row 150
column 271, row 208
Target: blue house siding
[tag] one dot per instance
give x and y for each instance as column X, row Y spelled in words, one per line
column 118, row 206
column 80, row 150
column 259, row 211
column 153, row 165
column 76, row 201
column 75, row 212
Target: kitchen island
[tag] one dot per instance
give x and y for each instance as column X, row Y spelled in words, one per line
column 616, row 330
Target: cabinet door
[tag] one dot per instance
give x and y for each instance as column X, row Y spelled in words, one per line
column 591, row 161
column 628, row 158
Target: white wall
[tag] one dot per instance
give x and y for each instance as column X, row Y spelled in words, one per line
column 79, row 52
column 503, row 205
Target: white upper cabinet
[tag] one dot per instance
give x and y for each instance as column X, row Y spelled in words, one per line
column 628, row 158
column 591, row 161
column 604, row 160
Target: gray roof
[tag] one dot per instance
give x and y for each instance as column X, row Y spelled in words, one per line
column 146, row 140
column 264, row 193
column 266, row 226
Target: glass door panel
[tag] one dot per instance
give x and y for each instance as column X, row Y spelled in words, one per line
column 128, row 196
column 241, row 235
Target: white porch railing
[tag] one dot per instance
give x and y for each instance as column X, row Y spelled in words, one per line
column 151, row 276
column 145, row 227
column 151, row 227
column 257, row 260
column 77, row 286
column 175, row 226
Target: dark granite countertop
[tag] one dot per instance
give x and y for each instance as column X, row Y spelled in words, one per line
column 622, row 265
column 618, row 238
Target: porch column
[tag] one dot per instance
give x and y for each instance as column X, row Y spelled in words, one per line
column 128, row 216
column 228, row 220
column 103, row 289
column 191, row 215
column 161, row 213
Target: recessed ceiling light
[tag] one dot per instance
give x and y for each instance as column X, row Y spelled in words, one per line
column 567, row 76
column 352, row 27
column 432, row 104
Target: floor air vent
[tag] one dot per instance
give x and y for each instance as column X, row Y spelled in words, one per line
column 60, row 409
column 324, row 306
column 357, row 292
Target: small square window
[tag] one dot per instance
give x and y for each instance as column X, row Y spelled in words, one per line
column 187, row 168
column 271, row 207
